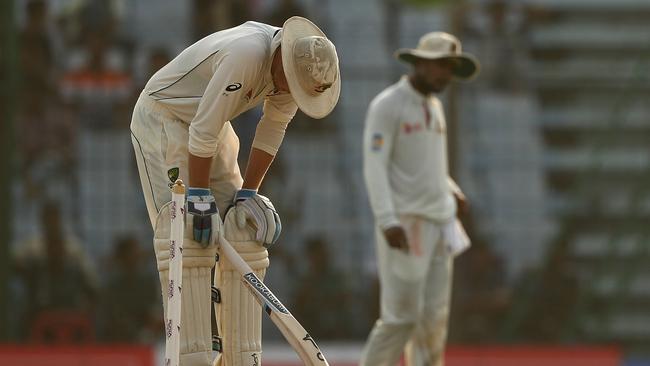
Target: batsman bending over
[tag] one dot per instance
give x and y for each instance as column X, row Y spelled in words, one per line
column 180, row 129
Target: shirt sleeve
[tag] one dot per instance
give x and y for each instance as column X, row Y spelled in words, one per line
column 277, row 113
column 233, row 74
column 378, row 137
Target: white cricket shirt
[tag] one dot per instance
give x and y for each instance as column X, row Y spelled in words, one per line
column 221, row 76
column 405, row 156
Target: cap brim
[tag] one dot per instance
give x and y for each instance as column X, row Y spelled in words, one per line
column 317, row 106
column 467, row 68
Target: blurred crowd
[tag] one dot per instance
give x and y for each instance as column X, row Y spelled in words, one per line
column 77, row 73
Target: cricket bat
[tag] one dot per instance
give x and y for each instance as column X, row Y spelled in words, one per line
column 293, row 332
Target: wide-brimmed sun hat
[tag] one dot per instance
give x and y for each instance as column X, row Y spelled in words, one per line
column 438, row 45
column 311, row 66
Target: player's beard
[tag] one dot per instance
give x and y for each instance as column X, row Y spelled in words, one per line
column 436, row 86
column 426, row 86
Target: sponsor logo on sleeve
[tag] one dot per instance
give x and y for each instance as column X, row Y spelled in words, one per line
column 233, row 87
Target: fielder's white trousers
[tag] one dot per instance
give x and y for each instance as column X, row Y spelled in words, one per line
column 415, row 292
column 160, row 142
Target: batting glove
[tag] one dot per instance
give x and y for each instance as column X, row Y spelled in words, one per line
column 257, row 209
column 203, row 215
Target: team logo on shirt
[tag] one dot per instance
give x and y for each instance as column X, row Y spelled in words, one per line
column 411, row 127
column 377, row 142
column 172, row 174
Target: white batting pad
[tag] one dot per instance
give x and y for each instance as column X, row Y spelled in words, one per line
column 196, row 333
column 238, row 314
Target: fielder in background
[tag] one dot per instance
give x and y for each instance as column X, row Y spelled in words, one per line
column 414, row 202
column 180, row 129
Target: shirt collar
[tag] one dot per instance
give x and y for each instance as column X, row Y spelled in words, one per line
column 277, row 38
column 275, row 43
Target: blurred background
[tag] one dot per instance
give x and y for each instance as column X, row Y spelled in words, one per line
column 551, row 144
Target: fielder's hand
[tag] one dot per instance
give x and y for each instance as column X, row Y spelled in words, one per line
column 462, row 203
column 258, row 210
column 203, row 220
column 396, row 238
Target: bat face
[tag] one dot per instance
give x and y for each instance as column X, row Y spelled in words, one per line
column 290, row 328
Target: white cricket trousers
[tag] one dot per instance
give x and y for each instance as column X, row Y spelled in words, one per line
column 160, row 142
column 415, row 291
